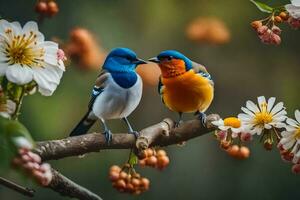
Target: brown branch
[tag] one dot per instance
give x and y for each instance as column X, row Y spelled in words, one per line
column 161, row 134
column 18, row 188
column 66, row 187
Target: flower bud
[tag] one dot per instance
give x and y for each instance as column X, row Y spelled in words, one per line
column 296, row 168
column 278, row 19
column 256, row 24
column 268, row 144
column 262, row 30
column 246, row 137
column 276, row 30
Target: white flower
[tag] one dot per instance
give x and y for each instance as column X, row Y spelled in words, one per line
column 230, row 123
column 294, row 8
column 25, row 56
column 265, row 116
column 291, row 137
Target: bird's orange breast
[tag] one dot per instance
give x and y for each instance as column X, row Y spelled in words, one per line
column 188, row 92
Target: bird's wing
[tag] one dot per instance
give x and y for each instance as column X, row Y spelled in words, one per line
column 161, row 89
column 98, row 87
column 201, row 70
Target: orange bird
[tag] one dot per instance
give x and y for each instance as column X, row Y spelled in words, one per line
column 185, row 86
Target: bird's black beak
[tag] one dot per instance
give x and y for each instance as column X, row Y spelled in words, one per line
column 140, row 61
column 154, row 59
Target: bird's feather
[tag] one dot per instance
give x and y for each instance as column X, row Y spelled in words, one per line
column 88, row 120
column 201, row 70
column 160, row 89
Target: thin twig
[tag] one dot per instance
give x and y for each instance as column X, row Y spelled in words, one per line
column 18, row 188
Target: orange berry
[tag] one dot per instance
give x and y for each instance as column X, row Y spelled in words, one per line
column 120, row 184
column 151, row 161
column 233, row 150
column 115, row 168
column 244, row 152
column 278, row 19
column 52, row 8
column 149, row 152
column 145, row 183
column 135, row 182
column 130, row 188
column 113, row 175
column 256, row 24
column 284, row 16
column 41, row 7
column 142, row 155
column 163, row 161
column 296, row 168
column 123, row 175
column 142, row 163
column 161, row 152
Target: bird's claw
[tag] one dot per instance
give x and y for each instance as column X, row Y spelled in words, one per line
column 202, row 118
column 108, row 136
column 177, row 124
column 135, row 133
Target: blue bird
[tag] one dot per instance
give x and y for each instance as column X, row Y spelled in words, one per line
column 116, row 94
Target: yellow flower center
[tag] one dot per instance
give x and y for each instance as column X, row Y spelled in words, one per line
column 263, row 117
column 22, row 49
column 233, row 122
column 297, row 133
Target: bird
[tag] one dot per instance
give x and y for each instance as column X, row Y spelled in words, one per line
column 184, row 85
column 116, row 93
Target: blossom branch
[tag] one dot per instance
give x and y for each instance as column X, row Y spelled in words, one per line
column 161, row 134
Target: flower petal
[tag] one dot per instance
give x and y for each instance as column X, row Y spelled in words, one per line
column 3, row 68
column 278, row 107
column 292, row 122
column 261, row 101
column 297, row 115
column 32, row 26
column 18, row 74
column 294, row 11
column 252, row 106
column 47, row 79
column 247, row 111
column 271, row 102
column 296, row 2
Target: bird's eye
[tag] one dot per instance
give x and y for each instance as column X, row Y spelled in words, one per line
column 169, row 58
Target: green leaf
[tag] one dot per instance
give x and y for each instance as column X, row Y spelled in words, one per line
column 18, row 134
column 133, row 160
column 262, row 6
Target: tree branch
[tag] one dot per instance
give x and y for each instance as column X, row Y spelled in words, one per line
column 161, row 134
column 66, row 187
column 18, row 188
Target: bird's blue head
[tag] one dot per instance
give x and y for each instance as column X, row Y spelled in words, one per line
column 172, row 63
column 122, row 60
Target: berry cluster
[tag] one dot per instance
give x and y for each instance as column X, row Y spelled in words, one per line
column 32, row 164
column 227, row 143
column 287, row 155
column 46, row 8
column 128, row 182
column 154, row 158
column 267, row 30
column 239, row 152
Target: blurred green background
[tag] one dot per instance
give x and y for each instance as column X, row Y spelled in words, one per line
column 242, row 69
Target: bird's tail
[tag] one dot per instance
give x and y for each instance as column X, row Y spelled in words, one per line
column 83, row 126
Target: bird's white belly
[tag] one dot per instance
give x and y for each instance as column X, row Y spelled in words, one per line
column 116, row 102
